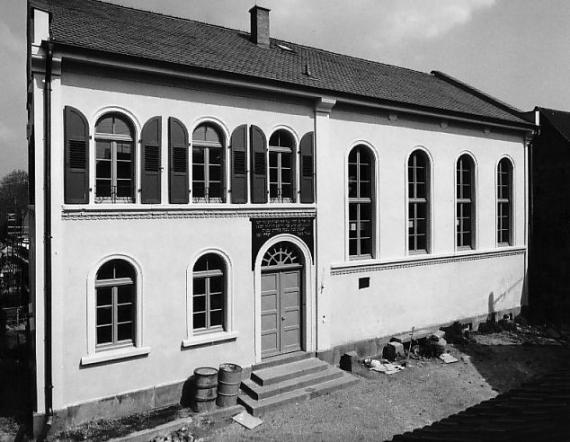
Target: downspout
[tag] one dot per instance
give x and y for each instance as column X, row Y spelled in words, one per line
column 48, row 388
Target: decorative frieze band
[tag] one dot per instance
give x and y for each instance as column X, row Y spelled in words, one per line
column 89, row 215
column 373, row 267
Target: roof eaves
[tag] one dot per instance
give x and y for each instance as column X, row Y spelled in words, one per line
column 479, row 93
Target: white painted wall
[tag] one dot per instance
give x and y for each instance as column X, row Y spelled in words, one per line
column 397, row 299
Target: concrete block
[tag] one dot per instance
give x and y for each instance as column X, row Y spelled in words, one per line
column 392, row 350
column 349, row 361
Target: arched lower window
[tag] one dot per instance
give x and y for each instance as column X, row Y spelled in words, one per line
column 207, row 164
column 115, row 288
column 465, row 198
column 418, row 202
column 281, row 167
column 115, row 160
column 208, row 295
column 360, row 202
column 504, row 202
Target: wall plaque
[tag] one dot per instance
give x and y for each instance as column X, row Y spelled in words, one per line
column 263, row 229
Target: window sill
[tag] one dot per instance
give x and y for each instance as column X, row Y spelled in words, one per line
column 114, row 355
column 212, row 338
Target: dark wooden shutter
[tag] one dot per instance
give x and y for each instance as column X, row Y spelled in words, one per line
column 238, row 165
column 76, row 178
column 307, row 169
column 178, row 155
column 258, row 146
column 151, row 147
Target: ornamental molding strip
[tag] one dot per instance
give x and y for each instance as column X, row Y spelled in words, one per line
column 118, row 214
column 364, row 268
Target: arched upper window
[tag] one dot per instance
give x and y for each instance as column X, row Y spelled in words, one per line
column 465, row 197
column 418, row 202
column 115, row 302
column 282, row 167
column 209, row 293
column 115, row 160
column 361, row 184
column 208, row 164
column 504, row 202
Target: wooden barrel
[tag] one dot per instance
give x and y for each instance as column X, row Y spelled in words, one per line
column 229, row 380
column 206, row 386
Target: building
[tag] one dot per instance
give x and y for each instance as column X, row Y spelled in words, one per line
column 213, row 195
column 550, row 234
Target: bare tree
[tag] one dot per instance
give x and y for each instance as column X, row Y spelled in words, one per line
column 13, row 198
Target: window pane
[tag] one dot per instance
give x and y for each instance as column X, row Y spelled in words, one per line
column 215, row 156
column 286, row 175
column 199, row 286
column 124, row 188
column 106, row 271
column 286, row 160
column 273, row 191
column 365, row 189
column 104, row 296
column 103, row 150
column 198, row 189
column 199, row 320
column 103, row 169
column 216, row 318
column 103, row 188
column 287, row 191
column 125, row 331
column 124, row 169
column 125, row 313
column 366, row 247
column 104, row 315
column 352, row 247
column 216, row 284
column 422, row 243
column 198, row 155
column 216, row 301
column 104, row 334
column 198, row 304
column 124, row 151
column 215, row 190
column 121, row 127
column 215, row 172
column 125, row 293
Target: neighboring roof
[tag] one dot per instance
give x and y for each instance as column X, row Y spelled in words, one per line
column 560, row 120
column 110, row 28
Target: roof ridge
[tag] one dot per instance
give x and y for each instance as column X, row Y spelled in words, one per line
column 274, row 39
column 149, row 11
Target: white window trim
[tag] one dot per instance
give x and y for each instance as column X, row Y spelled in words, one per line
column 474, row 204
column 94, row 355
column 209, row 337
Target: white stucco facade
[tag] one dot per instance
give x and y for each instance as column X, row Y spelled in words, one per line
column 163, row 241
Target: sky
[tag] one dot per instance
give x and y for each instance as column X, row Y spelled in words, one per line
column 515, row 50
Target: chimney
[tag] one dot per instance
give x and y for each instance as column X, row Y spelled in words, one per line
column 260, row 26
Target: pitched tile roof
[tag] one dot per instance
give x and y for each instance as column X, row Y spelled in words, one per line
column 117, row 29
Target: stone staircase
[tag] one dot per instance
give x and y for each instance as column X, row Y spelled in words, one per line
column 293, row 378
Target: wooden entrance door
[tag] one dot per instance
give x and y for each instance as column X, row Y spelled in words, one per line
column 281, row 308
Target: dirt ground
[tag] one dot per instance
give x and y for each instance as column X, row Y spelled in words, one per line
column 381, row 406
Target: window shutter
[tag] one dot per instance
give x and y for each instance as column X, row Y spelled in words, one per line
column 150, row 161
column 238, row 165
column 307, row 169
column 76, row 175
column 178, row 155
column 258, row 166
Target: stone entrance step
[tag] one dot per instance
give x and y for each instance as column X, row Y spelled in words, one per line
column 293, row 380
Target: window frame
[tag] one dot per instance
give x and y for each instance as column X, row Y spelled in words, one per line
column 115, row 140
column 279, row 151
column 206, row 147
column 114, row 284
column 415, row 202
column 359, row 202
column 461, row 202
column 96, row 355
column 501, row 201
column 208, row 275
column 212, row 335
